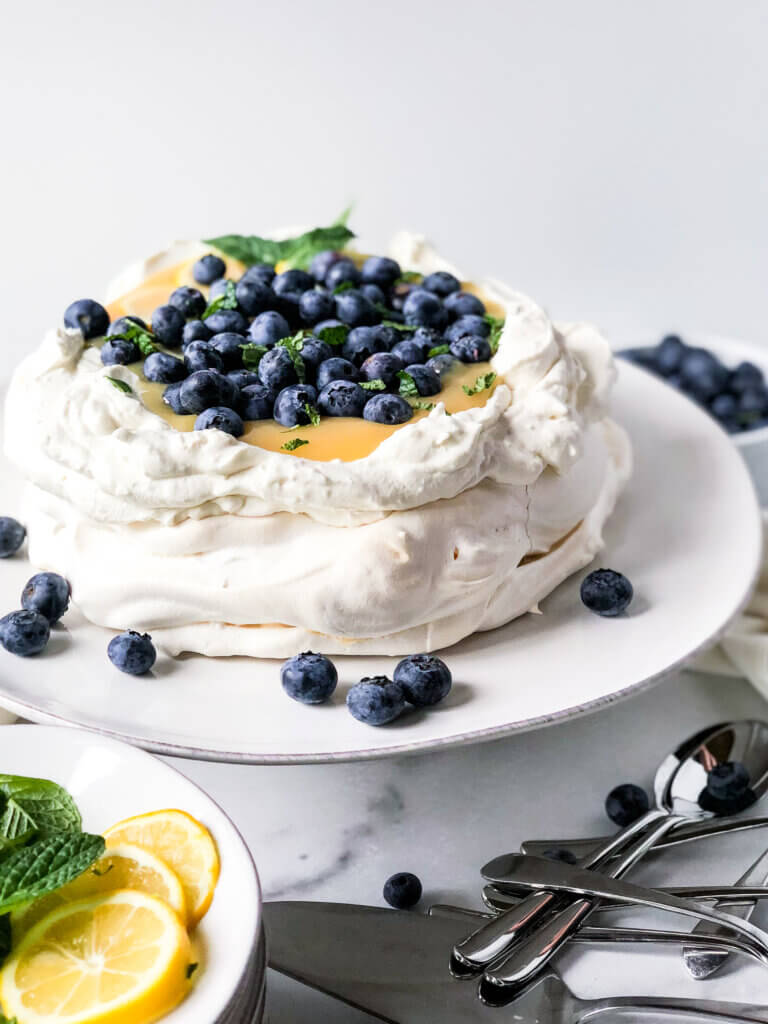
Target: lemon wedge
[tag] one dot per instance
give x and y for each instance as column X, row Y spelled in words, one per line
column 121, row 958
column 185, row 845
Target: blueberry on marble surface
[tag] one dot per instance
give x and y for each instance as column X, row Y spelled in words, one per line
column 425, row 679
column 383, row 366
column 294, row 406
column 606, row 592
column 201, row 355
column 254, row 297
column 125, row 323
column 168, row 325
column 164, row 368
column 132, row 652
column 426, row 380
column 342, row 398
column 209, row 268
column 471, row 348
column 119, row 352
column 227, row 320
column 88, row 316
column 276, row 369
column 460, row 304
column 200, row 391
column 309, row 678
column 424, row 309
column 12, row 535
column 354, row 309
column 341, row 271
column 442, row 283
column 626, row 803
column 48, row 594
column 268, row 328
column 376, row 700
column 403, row 890
column 336, row 368
column 381, row 271
column 172, row 398
column 195, row 330
column 24, row 633
column 257, row 402
column 189, row 301
column 219, row 417
column 361, row 343
column 389, row 409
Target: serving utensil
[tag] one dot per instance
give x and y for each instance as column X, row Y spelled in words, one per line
column 499, row 899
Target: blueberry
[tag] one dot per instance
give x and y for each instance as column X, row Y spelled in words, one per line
column 753, row 402
column 254, row 297
column 409, row 351
column 342, row 398
column 258, row 401
column 209, row 268
column 744, row 377
column 189, row 302
column 381, row 271
column 382, row 366
column 322, row 263
column 200, row 391
column 12, row 535
column 354, row 309
column 441, row 283
column 727, row 780
column 123, row 323
column 467, row 325
column 702, row 374
column 227, row 320
column 276, row 369
column 459, row 304
column 315, row 306
column 724, row 407
column 168, row 325
column 442, row 364
column 425, row 679
column 428, row 337
column 376, row 700
column 263, row 272
column 403, row 890
column 163, row 368
column 291, row 404
column 424, row 309
column 244, row 378
column 314, row 352
column 561, row 854
column 626, row 803
column 330, row 322
column 606, row 592
column 218, row 417
column 46, row 593
column 269, row 328
column 361, row 343
column 471, row 348
column 391, row 409
column 336, row 368
column 201, row 355
column 172, row 398
column 309, row 678
column 668, row 354
column 400, row 293
column 119, row 352
column 195, row 330
column 340, row 272
column 88, row 316
column 291, row 285
column 132, row 652
column 388, row 334
column 220, row 287
column 229, row 347
column 24, row 632
column 374, row 293
column 426, row 380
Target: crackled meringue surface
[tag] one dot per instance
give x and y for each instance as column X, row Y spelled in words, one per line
column 453, row 524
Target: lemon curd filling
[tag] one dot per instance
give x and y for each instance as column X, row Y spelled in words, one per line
column 344, row 438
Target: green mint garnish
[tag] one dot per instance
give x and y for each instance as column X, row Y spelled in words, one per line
column 99, row 873
column 36, row 805
column 409, row 277
column 252, row 355
column 191, row 968
column 314, row 415
column 407, row 387
column 141, row 335
column 45, row 866
column 426, row 406
column 298, row 252
column 373, row 385
column 345, row 286
column 398, row 326
column 8, row 1020
column 497, row 326
column 334, row 336
column 439, row 350
column 482, row 383
column 120, row 385
column 294, row 344
column 293, row 444
column 227, row 300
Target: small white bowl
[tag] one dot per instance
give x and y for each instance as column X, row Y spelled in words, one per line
column 111, row 781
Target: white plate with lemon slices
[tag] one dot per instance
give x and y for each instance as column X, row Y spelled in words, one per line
column 176, row 882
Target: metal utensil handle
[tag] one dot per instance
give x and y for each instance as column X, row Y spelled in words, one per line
column 499, row 898
column 675, row 1009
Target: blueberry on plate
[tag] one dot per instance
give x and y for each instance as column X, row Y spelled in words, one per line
column 124, row 323
column 724, row 408
column 322, row 263
column 309, row 678
column 459, row 304
column 383, row 366
column 342, row 398
column 172, row 398
column 336, row 368
column 606, row 592
column 409, row 351
column 315, row 306
column 442, row 364
column 381, row 271
column 200, row 391
column 425, row 679
column 745, row 376
column 195, row 330
column 219, row 288
column 48, row 594
column 291, row 285
column 626, row 803
column 441, row 283
column 376, row 700
column 12, row 535
column 201, row 355
column 164, row 368
column 471, row 348
column 361, row 343
column 330, row 322
column 24, row 633
column 354, row 309
column 390, row 409
column 263, row 272
column 276, row 369
column 403, row 890
column 314, row 352
column 269, row 328
column 292, row 403
column 340, row 272
column 219, row 417
column 244, row 378
column 119, row 352
column 753, row 403
column 227, row 320
column 426, row 380
column 702, row 374
column 230, row 349
column 374, row 293
column 132, row 652
column 668, row 354
column 467, row 325
column 254, row 297
column 189, row 301
column 209, row 268
column 424, row 309
column 87, row 316
column 257, row 402
column 168, row 325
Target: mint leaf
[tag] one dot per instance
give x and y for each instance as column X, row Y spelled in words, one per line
column 121, row 385
column 252, row 355
column 191, row 968
column 48, row 807
column 294, row 344
column 497, row 326
column 409, row 277
column 373, row 385
column 482, row 383
column 227, row 300
column 293, row 444
column 5, row 944
column 45, row 866
column 345, row 286
column 141, row 335
column 8, row 1020
column 398, row 326
column 426, row 406
column 16, row 826
column 334, row 336
column 297, row 251
column 439, row 350
column 407, row 387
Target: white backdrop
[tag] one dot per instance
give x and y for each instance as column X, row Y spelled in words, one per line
column 608, row 157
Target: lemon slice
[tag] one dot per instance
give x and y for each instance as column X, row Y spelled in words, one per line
column 116, row 959
column 184, row 844
column 123, row 867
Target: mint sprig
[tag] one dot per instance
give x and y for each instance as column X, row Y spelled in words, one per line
column 407, row 387
column 439, row 350
column 293, row 444
column 252, row 355
column 497, row 326
column 120, row 385
column 298, row 251
column 334, row 336
column 397, row 325
column 293, row 345
column 227, row 300
column 482, row 383
column 45, row 866
column 142, row 336
column 314, row 415
column 425, row 406
column 373, row 385
column 345, row 286
column 409, row 277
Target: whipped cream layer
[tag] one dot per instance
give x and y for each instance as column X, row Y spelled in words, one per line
column 222, row 547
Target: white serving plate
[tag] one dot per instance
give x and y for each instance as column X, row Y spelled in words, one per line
column 111, row 781
column 687, row 532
